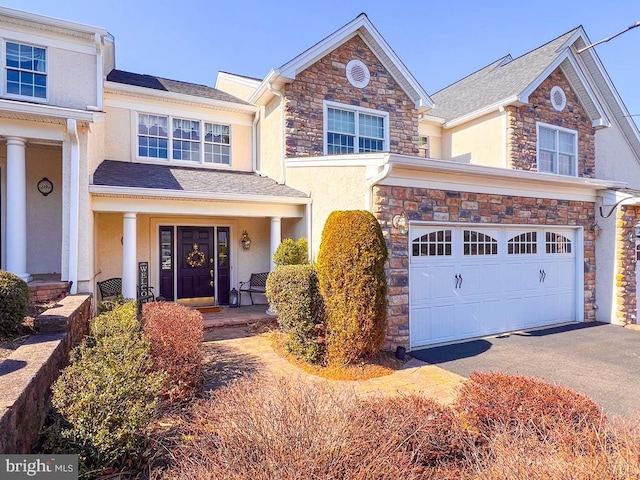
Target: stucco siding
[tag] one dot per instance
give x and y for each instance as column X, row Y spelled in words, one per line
column 271, row 135
column 332, row 188
column 481, row 141
column 121, row 135
column 234, row 88
column 72, row 79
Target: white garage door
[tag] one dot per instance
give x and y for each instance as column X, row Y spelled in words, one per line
column 471, row 281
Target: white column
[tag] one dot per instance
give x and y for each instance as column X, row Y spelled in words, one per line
column 129, row 257
column 74, row 203
column 276, row 237
column 16, row 222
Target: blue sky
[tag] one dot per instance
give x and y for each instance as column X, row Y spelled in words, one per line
column 440, row 42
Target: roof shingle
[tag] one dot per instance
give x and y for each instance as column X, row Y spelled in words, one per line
column 188, row 179
column 174, row 86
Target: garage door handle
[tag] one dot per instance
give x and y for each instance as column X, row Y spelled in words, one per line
column 543, row 275
column 458, row 280
column 460, row 286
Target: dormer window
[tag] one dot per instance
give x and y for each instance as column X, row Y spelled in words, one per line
column 26, row 71
column 557, row 150
column 352, row 129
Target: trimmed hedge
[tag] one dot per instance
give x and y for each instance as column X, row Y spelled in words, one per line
column 293, row 292
column 353, row 283
column 108, row 394
column 175, row 333
column 292, row 253
column 14, row 299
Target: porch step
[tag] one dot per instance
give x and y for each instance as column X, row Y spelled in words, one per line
column 209, row 309
column 41, row 291
column 233, row 317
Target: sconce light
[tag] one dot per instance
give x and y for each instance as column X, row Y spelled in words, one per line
column 595, row 228
column 246, row 241
column 636, row 230
column 401, row 223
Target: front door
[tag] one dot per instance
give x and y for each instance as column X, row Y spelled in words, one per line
column 195, row 262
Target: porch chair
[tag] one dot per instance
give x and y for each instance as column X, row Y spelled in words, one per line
column 112, row 287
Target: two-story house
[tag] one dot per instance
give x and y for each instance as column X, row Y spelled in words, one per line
column 487, row 191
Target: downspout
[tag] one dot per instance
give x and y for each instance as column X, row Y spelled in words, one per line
column 74, row 202
column 99, row 72
column 254, row 139
column 278, row 93
column 372, row 181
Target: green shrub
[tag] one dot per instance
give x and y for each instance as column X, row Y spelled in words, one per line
column 293, row 292
column 353, row 284
column 292, row 253
column 108, row 394
column 175, row 333
column 495, row 401
column 14, row 299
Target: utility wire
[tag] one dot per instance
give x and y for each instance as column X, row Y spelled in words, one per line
column 637, row 24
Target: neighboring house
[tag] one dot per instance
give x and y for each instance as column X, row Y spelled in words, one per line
column 487, row 191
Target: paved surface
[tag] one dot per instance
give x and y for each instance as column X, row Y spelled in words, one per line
column 236, row 352
column 597, row 359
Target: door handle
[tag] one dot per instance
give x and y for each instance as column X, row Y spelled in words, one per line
column 540, row 278
column 458, row 277
column 460, row 286
column 211, row 283
column 457, row 280
column 544, row 276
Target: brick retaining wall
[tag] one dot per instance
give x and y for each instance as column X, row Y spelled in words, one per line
column 27, row 374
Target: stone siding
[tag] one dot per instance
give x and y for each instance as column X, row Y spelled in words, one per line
column 521, row 126
column 27, row 374
column 626, row 264
column 429, row 205
column 326, row 80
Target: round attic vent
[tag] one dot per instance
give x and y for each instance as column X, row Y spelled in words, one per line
column 358, row 74
column 558, row 99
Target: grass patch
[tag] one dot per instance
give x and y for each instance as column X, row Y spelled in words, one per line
column 380, row 365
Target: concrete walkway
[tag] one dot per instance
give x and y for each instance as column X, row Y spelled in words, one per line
column 236, row 352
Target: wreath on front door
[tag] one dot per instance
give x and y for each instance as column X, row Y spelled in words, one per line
column 195, row 258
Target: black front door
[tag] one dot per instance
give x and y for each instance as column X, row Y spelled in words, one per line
column 195, row 262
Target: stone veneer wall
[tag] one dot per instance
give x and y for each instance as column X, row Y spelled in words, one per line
column 626, row 264
column 27, row 374
column 326, row 80
column 430, row 205
column 521, row 126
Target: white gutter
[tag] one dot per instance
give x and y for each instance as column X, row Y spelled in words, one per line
column 278, row 93
column 74, row 203
column 46, row 110
column 171, row 194
column 382, row 173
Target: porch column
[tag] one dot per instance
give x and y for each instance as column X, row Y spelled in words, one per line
column 129, row 257
column 276, row 237
column 17, row 208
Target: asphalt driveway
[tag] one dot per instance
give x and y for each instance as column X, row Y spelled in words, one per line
column 597, row 359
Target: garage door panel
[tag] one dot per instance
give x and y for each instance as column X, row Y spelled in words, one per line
column 508, row 279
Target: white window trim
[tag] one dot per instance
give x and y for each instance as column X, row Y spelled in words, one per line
column 170, row 160
column 3, row 59
column 326, row 104
column 575, row 148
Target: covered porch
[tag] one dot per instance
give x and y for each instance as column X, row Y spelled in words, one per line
column 190, row 238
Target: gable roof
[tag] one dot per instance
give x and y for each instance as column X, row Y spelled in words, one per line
column 511, row 81
column 362, row 26
column 189, row 180
column 172, row 86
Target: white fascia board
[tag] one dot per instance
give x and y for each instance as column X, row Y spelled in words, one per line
column 274, row 79
column 355, row 160
column 240, row 80
column 180, row 194
column 115, row 87
column 290, row 69
column 612, row 197
column 455, row 168
column 46, row 111
column 40, row 21
column 602, row 120
column 515, row 100
column 432, row 120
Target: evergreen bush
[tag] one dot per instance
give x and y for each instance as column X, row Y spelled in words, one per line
column 108, row 394
column 14, row 299
column 353, row 284
column 291, row 252
column 293, row 292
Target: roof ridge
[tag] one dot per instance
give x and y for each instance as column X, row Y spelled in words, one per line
column 162, row 78
column 547, row 43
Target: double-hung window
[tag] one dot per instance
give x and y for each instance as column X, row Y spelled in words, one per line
column 185, row 141
column 354, row 129
column 557, row 150
column 26, row 70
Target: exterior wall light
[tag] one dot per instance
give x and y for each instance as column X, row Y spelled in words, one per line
column 401, row 223
column 246, row 241
column 596, row 229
